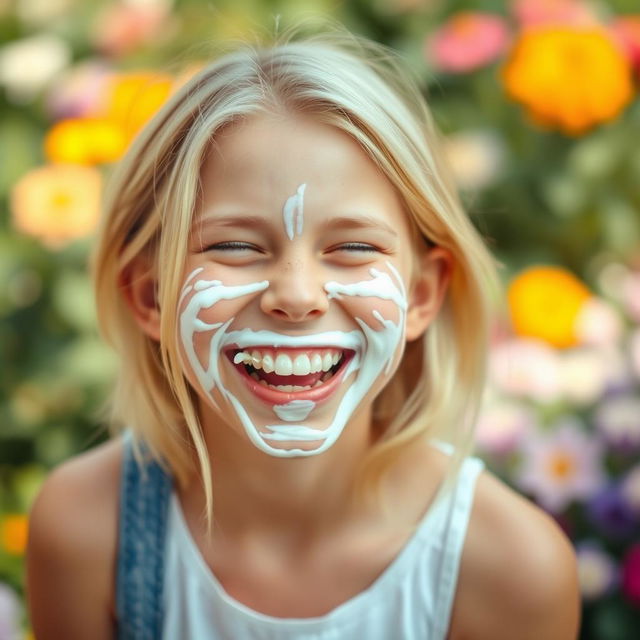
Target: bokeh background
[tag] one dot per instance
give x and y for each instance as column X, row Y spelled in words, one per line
column 538, row 102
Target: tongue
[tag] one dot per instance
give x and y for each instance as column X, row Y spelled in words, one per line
column 302, row 381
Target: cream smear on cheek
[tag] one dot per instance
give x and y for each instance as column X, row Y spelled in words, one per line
column 293, row 213
column 374, row 348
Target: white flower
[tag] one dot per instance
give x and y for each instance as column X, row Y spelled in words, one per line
column 596, row 571
column 27, row 66
column 475, row 157
column 9, row 613
column 41, row 12
column 598, row 323
column 618, row 419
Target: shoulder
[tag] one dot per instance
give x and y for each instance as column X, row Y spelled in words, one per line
column 518, row 575
column 72, row 546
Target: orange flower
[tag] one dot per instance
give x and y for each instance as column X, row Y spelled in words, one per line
column 13, row 533
column 57, row 203
column 569, row 78
column 133, row 98
column 85, row 141
column 545, row 303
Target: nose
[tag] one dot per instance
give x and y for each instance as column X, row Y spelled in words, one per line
column 295, row 293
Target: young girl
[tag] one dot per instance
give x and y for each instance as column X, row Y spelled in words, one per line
column 301, row 308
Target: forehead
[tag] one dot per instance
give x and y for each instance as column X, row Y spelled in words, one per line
column 254, row 166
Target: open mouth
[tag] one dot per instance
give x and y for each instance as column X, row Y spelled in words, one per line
column 278, row 375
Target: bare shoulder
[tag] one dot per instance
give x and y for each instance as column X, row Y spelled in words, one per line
column 518, row 575
column 72, row 546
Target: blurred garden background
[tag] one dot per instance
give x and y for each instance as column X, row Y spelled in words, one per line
column 539, row 104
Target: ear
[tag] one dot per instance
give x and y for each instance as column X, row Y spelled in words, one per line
column 428, row 291
column 138, row 285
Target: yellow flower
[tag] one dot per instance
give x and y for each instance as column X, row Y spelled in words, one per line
column 85, row 141
column 545, row 303
column 13, row 533
column 57, row 203
column 568, row 78
column 133, row 98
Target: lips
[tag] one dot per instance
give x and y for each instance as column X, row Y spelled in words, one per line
column 282, row 375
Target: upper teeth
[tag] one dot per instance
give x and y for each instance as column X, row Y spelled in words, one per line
column 285, row 365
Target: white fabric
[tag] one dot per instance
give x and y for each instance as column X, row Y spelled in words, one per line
column 410, row 600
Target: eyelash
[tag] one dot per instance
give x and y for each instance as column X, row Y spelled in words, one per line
column 236, row 246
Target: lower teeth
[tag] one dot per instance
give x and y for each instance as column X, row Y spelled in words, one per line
column 290, row 387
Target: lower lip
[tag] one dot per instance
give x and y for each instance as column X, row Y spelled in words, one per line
column 273, row 396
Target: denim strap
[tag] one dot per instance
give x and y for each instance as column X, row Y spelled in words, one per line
column 144, row 501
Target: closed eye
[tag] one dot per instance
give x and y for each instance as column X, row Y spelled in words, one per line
column 233, row 246
column 355, row 246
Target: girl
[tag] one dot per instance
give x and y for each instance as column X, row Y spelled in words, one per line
column 301, row 307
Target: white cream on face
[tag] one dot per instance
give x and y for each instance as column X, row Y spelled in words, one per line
column 374, row 348
column 293, row 213
column 294, row 411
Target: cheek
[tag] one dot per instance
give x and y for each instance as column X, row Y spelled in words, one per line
column 363, row 308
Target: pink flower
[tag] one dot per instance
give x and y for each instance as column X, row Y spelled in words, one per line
column 560, row 466
column 79, row 91
column 467, row 41
column 502, row 426
column 537, row 13
column 121, row 28
column 626, row 30
column 526, row 367
column 631, row 294
column 631, row 574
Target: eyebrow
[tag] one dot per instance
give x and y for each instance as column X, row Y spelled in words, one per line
column 352, row 221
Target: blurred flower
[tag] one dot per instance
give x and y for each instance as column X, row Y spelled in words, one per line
column 596, row 570
column 631, row 294
column 502, row 426
column 13, row 533
column 41, row 12
column 626, row 29
column 57, row 203
column 122, row 27
column 571, row 79
column 467, row 41
column 545, row 303
column 560, row 466
column 631, row 574
column 528, row 368
column 77, row 92
column 611, row 513
column 10, row 613
column 537, row 13
column 29, row 65
column 598, row 323
column 131, row 99
column 476, row 157
column 631, row 488
column 634, row 344
column 582, row 376
column 85, row 141
column 618, row 419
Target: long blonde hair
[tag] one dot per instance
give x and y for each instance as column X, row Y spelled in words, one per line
column 356, row 86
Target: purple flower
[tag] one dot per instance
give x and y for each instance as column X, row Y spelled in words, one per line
column 612, row 514
column 561, row 465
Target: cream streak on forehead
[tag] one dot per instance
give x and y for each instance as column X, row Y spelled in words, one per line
column 293, row 213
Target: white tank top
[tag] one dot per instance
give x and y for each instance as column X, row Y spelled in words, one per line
column 410, row 600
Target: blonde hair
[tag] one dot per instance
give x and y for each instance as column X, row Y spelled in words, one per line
column 356, row 86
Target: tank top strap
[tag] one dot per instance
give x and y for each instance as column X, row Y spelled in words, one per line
column 453, row 538
column 144, row 502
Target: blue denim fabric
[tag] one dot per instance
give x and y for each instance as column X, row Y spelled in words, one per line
column 144, row 502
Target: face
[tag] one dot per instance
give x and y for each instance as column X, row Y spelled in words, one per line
column 293, row 312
